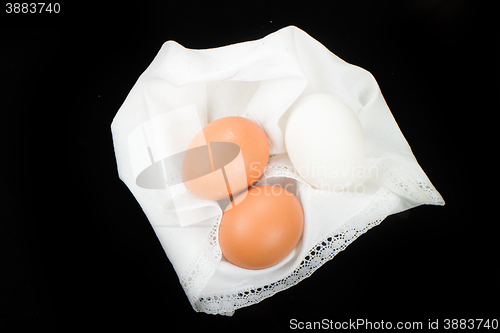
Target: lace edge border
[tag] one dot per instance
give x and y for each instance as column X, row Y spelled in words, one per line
column 318, row 255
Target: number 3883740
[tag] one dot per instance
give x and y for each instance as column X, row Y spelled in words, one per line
column 32, row 7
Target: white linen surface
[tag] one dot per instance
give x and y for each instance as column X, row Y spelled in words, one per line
column 185, row 89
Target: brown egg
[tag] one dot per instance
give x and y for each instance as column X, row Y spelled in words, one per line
column 262, row 228
column 225, row 158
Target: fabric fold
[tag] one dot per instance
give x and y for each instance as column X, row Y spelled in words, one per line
column 183, row 90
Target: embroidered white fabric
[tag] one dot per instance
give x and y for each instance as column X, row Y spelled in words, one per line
column 183, row 90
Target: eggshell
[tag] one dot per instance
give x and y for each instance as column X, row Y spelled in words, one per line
column 325, row 142
column 234, row 168
column 262, row 228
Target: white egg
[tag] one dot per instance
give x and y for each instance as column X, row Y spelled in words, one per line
column 325, row 142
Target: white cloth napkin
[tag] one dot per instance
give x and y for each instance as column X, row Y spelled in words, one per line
column 185, row 89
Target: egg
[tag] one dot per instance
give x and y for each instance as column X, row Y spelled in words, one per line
column 262, row 228
column 226, row 157
column 325, row 142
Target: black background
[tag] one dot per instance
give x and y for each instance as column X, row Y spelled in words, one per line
column 76, row 249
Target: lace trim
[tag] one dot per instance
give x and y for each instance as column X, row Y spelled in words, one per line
column 202, row 267
column 397, row 180
column 430, row 191
column 382, row 204
column 280, row 170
